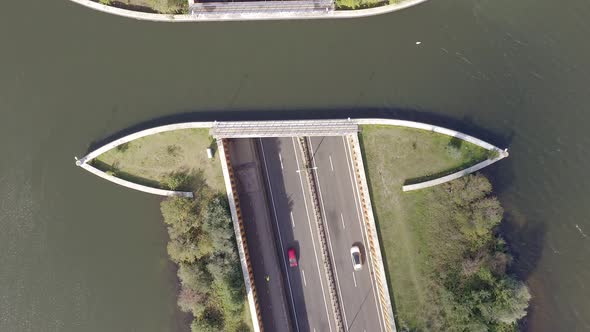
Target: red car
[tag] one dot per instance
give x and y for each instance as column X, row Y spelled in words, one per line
column 292, row 257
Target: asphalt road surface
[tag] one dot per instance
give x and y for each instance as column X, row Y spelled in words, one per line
column 292, row 213
column 260, row 236
column 340, row 204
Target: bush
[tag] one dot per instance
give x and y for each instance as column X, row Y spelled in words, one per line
column 176, row 181
column 125, row 146
column 170, row 6
column 203, row 245
column 478, row 295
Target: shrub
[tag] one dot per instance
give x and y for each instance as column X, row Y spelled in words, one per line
column 191, row 300
column 169, row 6
column 176, row 180
column 125, row 146
column 203, row 245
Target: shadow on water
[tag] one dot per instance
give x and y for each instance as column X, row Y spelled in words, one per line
column 464, row 125
column 525, row 241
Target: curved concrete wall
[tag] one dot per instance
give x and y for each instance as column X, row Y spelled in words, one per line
column 247, row 16
column 133, row 185
column 83, row 162
column 456, row 175
column 449, row 132
column 140, row 134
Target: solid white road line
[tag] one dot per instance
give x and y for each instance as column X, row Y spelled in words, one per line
column 312, row 241
column 292, row 220
column 354, row 278
column 357, row 204
column 303, row 274
column 331, row 164
column 280, row 239
column 342, row 218
column 329, row 239
column 281, row 160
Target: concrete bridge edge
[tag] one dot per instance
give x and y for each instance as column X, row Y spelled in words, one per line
column 244, row 17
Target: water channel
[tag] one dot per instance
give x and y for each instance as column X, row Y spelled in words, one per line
column 80, row 254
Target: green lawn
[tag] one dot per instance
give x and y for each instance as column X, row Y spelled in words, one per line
column 413, row 226
column 362, row 4
column 150, row 160
column 150, row 6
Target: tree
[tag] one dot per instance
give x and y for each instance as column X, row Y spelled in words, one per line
column 201, row 325
column 468, row 189
column 194, row 276
column 176, row 180
column 181, row 214
column 512, row 300
column 191, row 300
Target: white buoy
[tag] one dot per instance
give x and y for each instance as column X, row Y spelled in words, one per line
column 209, row 153
column 418, row 42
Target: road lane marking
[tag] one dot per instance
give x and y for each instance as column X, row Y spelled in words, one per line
column 321, row 199
column 342, row 218
column 312, row 240
column 281, row 160
column 331, row 164
column 360, row 216
column 292, row 220
column 278, row 228
column 303, row 274
column 354, row 278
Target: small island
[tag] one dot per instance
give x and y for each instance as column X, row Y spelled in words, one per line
column 447, row 266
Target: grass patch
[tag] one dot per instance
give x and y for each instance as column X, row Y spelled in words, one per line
column 150, row 6
column 363, row 4
column 174, row 160
column 417, row 155
column 440, row 253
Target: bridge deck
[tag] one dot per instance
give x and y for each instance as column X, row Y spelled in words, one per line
column 250, row 129
column 251, row 7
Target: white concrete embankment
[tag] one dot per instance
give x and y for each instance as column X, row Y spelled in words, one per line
column 83, row 162
column 248, row 16
column 456, row 175
column 133, row 185
column 376, row 121
column 449, row 132
column 140, row 134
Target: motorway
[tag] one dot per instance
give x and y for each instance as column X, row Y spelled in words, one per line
column 292, row 214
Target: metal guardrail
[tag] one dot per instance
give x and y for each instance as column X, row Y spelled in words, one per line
column 312, row 181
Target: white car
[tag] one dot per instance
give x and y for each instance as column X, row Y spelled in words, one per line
column 355, row 254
